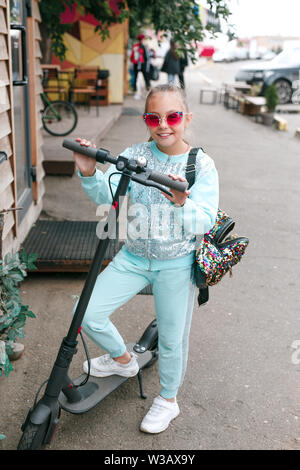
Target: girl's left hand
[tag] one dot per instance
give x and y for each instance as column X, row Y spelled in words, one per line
column 178, row 197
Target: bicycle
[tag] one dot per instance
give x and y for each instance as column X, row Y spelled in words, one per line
column 59, row 117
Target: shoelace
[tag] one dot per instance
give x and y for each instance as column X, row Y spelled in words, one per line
column 157, row 408
column 106, row 359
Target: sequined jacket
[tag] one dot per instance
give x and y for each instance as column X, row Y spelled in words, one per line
column 155, row 228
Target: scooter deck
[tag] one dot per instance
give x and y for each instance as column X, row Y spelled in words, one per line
column 98, row 388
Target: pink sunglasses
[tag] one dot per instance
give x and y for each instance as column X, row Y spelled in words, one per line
column 173, row 118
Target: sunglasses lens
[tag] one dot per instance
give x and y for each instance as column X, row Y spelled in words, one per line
column 151, row 120
column 174, row 118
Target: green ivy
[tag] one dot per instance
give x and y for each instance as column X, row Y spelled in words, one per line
column 13, row 313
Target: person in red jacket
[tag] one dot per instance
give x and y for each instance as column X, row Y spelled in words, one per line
column 140, row 57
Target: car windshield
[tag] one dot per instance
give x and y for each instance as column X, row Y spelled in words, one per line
column 287, row 57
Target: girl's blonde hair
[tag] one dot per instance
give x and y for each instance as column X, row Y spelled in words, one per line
column 168, row 89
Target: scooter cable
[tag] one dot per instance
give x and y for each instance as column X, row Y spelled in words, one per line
column 82, row 338
column 88, row 361
column 109, row 183
column 38, row 392
column 81, row 384
column 83, row 341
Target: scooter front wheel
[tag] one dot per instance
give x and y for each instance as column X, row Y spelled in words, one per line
column 33, row 436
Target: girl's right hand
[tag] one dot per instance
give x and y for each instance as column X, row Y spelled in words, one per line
column 85, row 164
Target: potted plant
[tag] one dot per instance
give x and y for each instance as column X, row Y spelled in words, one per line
column 271, row 96
column 13, row 313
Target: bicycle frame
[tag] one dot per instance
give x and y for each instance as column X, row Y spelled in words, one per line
column 47, row 102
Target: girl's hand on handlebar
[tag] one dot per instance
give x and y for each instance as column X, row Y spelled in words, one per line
column 85, row 164
column 178, row 197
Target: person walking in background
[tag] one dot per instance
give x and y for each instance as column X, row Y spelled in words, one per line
column 171, row 64
column 140, row 57
column 183, row 62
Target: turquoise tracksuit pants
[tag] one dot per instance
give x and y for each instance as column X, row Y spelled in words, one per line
column 173, row 294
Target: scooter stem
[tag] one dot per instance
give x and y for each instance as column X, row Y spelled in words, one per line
column 59, row 376
column 97, row 261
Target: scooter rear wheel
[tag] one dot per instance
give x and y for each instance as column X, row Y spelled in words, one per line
column 33, row 437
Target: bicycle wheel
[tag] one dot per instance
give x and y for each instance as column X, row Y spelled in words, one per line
column 59, row 118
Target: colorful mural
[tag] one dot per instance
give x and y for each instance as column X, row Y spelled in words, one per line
column 84, row 47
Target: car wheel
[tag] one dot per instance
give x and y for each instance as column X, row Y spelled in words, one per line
column 284, row 90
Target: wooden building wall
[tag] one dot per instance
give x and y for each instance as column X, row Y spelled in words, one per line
column 85, row 48
column 13, row 234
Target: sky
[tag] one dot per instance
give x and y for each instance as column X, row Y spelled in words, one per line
column 265, row 17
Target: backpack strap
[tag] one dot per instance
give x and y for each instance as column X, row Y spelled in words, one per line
column 190, row 174
column 190, row 169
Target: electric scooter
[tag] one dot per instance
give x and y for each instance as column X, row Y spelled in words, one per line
column 85, row 392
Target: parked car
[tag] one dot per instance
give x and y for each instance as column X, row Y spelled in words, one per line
column 230, row 55
column 280, row 71
column 241, row 53
column 223, row 56
column 268, row 55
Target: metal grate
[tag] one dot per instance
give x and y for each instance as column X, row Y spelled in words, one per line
column 63, row 244
column 67, row 246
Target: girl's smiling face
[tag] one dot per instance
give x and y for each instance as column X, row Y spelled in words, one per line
column 169, row 139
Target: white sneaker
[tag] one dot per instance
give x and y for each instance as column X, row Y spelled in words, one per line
column 159, row 416
column 104, row 366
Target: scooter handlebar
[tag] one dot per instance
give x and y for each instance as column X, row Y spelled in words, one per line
column 100, row 155
column 103, row 156
column 167, row 181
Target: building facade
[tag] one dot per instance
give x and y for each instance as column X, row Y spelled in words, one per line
column 22, row 173
column 85, row 48
column 21, row 156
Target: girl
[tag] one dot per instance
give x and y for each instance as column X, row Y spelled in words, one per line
column 162, row 253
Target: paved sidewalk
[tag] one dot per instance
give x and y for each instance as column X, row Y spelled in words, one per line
column 241, row 390
column 89, row 125
column 63, row 199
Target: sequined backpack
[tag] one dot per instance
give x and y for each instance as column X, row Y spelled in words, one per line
column 219, row 251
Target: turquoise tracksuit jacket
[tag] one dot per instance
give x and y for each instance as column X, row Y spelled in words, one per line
column 155, row 228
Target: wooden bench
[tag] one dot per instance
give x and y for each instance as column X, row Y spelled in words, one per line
column 237, row 86
column 233, row 94
column 253, row 105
